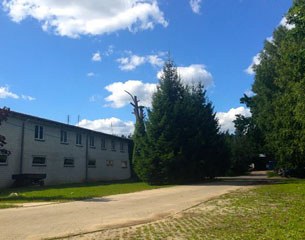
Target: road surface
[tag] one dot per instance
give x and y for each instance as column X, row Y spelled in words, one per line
column 72, row 218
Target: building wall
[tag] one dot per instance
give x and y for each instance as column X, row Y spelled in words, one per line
column 12, row 132
column 55, row 152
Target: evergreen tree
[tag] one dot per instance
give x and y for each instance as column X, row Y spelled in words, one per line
column 279, row 104
column 163, row 126
column 182, row 142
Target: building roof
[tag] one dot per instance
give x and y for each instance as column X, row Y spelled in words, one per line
column 59, row 124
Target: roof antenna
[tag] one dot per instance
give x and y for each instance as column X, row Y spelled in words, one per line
column 111, row 128
column 68, row 119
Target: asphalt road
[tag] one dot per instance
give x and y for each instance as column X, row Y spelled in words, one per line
column 64, row 219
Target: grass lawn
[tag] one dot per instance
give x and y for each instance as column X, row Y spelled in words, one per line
column 68, row 192
column 267, row 212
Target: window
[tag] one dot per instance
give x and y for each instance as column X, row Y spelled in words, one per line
column 121, row 146
column 91, row 141
column 92, row 163
column 103, row 143
column 124, row 164
column 68, row 162
column 38, row 132
column 3, row 159
column 112, row 145
column 109, row 163
column 63, row 136
column 39, row 161
column 78, row 139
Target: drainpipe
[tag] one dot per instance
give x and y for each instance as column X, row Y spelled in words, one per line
column 21, row 149
column 86, row 158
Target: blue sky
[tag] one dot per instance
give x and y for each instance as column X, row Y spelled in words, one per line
column 59, row 58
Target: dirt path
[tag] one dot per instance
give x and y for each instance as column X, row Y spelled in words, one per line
column 59, row 220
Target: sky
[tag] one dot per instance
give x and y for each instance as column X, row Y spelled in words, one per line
column 76, row 58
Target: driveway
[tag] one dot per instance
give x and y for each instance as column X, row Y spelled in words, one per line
column 72, row 218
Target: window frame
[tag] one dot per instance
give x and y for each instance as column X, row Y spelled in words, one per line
column 4, row 163
column 122, row 146
column 91, row 165
column 109, row 163
column 78, row 139
column 103, row 143
column 113, row 145
column 124, row 164
column 63, row 136
column 69, row 165
column 39, row 133
column 39, row 164
column 91, row 142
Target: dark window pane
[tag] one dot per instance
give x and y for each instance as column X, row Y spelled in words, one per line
column 41, row 132
column 36, row 131
column 39, row 160
column 68, row 162
column 3, row 158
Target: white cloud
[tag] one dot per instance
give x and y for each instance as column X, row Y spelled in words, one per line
column 130, row 63
column 119, row 98
column 29, row 98
column 195, row 6
column 108, row 125
column 96, row 57
column 225, row 119
column 155, row 60
column 255, row 61
column 284, row 23
column 193, row 74
column 90, row 74
column 6, row 93
column 133, row 61
column 94, row 17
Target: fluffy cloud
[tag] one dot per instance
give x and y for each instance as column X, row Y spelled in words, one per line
column 195, row 73
column 255, row 61
column 96, row 57
column 130, row 63
column 225, row 119
column 109, row 125
column 94, row 17
column 6, row 93
column 195, row 6
column 133, row 61
column 119, row 98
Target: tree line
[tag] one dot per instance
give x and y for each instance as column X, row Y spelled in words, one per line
column 180, row 139
column 277, row 124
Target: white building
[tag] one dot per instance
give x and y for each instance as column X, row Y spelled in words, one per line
column 65, row 153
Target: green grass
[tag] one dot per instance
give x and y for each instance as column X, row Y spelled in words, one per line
column 265, row 213
column 68, row 192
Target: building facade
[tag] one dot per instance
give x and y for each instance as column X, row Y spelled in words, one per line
column 65, row 153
